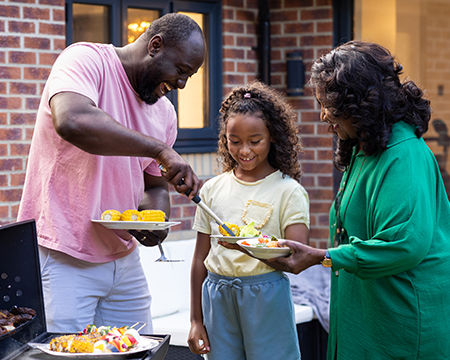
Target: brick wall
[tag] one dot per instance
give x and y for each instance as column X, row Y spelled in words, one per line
column 32, row 32
column 304, row 25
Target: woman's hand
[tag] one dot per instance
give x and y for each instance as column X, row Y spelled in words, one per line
column 198, row 339
column 301, row 257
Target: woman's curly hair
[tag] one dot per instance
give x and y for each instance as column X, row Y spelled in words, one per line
column 259, row 99
column 360, row 80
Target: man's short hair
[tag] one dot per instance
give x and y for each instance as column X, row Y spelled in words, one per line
column 173, row 27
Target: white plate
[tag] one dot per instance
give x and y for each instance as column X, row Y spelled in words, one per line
column 230, row 239
column 136, row 225
column 264, row 252
column 144, row 345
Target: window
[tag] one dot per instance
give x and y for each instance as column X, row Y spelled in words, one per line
column 198, row 103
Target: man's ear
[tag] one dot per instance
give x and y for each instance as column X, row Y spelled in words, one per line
column 154, row 45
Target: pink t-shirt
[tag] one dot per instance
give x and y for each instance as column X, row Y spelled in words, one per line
column 66, row 187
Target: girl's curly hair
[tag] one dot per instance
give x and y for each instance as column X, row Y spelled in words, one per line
column 259, row 99
column 360, row 80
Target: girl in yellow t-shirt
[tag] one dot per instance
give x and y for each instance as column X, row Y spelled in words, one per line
column 241, row 308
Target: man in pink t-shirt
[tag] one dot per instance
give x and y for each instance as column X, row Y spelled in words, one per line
column 103, row 128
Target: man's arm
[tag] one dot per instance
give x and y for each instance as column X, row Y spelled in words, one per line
column 77, row 120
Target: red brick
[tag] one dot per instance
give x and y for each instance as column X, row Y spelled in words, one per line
column 3, row 149
column 298, row 28
column 4, row 211
column 275, row 55
column 307, row 155
column 277, row 67
column 9, row 195
column 308, row 116
column 36, row 73
column 19, row 149
column 315, row 14
column 177, row 199
column 59, row 44
column 285, row 15
column 2, row 88
column 319, row 206
column 10, row 11
column 228, row 66
column 324, row 26
column 17, row 179
column 286, row 41
column 307, row 180
column 32, row 103
column 233, row 53
column 323, row 2
column 188, row 211
column 233, row 79
column 315, row 141
column 227, row 14
column 3, row 118
column 318, row 233
column 321, row 194
column 22, row 57
column 251, row 55
column 22, row 88
column 246, row 67
column 36, row 13
column 323, row 129
column 52, row 2
column 276, row 80
column 317, row 168
column 37, row 43
column 51, row 29
column 245, row 41
column 251, row 29
column 2, row 25
column 47, row 58
column 298, row 3
column 59, row 15
column 275, row 4
column 275, row 29
column 306, row 129
column 21, row 27
column 4, row 180
column 233, row 27
column 245, row 15
column 10, row 103
column 10, row 41
column 29, row 133
column 10, row 134
column 228, row 40
column 11, row 164
column 302, row 103
column 14, row 210
column 23, row 118
column 316, row 40
column 325, row 181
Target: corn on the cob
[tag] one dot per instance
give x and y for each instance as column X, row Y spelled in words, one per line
column 233, row 227
column 153, row 215
column 112, row 215
column 130, row 215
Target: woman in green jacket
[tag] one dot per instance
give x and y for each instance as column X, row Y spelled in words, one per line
column 390, row 221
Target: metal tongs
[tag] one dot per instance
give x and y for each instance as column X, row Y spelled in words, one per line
column 211, row 213
column 201, row 204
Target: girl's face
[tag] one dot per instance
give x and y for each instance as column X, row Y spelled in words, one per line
column 341, row 126
column 248, row 141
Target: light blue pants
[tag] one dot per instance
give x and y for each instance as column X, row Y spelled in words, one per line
column 78, row 293
column 250, row 318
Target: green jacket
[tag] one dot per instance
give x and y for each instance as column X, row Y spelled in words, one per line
column 391, row 298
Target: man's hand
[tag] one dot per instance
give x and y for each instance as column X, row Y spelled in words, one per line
column 178, row 172
column 149, row 238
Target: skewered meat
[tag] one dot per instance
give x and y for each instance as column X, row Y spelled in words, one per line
column 13, row 318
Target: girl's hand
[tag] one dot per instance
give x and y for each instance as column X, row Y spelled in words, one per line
column 301, row 257
column 198, row 339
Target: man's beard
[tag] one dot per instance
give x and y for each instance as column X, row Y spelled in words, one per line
column 146, row 91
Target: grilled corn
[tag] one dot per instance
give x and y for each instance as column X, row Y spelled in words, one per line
column 130, row 215
column 153, row 215
column 112, row 215
column 233, row 227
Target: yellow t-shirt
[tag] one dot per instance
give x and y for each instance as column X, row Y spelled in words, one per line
column 272, row 203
